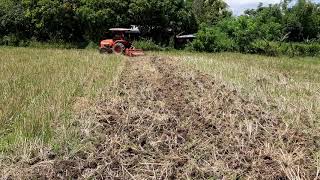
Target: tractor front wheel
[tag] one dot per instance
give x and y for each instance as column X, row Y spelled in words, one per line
column 119, row 48
column 106, row 50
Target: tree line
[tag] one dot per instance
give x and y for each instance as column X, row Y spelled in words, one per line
column 291, row 28
column 88, row 20
column 282, row 27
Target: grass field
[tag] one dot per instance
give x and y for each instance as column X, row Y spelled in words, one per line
column 39, row 89
column 290, row 85
column 251, row 117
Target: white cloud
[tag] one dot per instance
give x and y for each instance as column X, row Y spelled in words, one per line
column 243, row 2
column 239, row 6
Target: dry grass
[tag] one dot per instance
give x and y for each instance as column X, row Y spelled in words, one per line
column 290, row 84
column 168, row 122
column 161, row 120
column 287, row 87
column 41, row 88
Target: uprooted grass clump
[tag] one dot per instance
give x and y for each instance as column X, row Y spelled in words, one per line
column 170, row 123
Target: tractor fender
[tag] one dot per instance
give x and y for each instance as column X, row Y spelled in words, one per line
column 107, row 43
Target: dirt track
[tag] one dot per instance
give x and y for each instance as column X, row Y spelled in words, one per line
column 167, row 122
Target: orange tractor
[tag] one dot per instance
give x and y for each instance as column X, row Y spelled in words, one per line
column 118, row 44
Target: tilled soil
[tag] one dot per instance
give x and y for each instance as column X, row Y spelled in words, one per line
column 169, row 122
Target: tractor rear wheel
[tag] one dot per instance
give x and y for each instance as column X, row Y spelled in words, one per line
column 119, row 48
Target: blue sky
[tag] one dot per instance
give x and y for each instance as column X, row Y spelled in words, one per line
column 238, row 6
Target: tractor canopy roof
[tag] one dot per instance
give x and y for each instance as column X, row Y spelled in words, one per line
column 125, row 30
column 187, row 36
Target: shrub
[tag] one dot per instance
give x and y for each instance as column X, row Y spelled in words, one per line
column 272, row 48
column 212, row 40
column 10, row 40
column 147, row 45
column 92, row 45
column 52, row 44
column 265, row 47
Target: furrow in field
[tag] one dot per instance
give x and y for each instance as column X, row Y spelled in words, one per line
column 168, row 122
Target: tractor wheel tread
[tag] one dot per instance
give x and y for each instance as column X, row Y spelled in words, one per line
column 118, row 48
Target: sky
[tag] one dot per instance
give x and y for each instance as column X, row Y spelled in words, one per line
column 238, row 6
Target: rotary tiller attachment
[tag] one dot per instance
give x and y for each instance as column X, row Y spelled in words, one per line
column 132, row 52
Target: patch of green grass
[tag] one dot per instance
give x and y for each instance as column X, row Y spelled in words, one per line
column 292, row 85
column 39, row 88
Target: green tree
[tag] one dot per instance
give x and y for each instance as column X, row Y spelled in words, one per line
column 162, row 19
column 13, row 23
column 210, row 11
column 302, row 21
column 269, row 21
column 87, row 20
column 97, row 16
column 53, row 20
